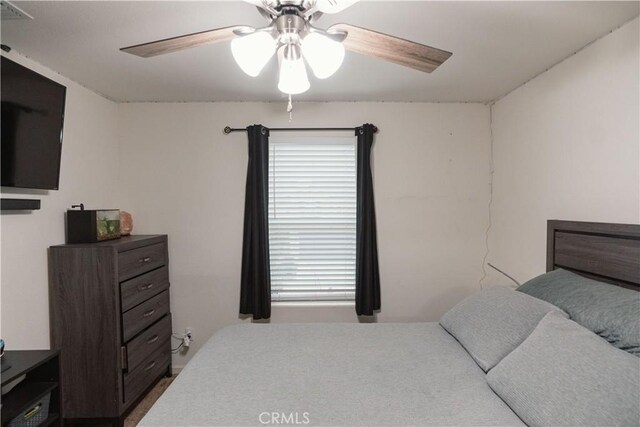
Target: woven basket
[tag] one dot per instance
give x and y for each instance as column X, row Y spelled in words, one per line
column 34, row 415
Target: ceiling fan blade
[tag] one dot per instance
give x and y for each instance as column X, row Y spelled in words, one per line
column 393, row 49
column 263, row 3
column 333, row 6
column 265, row 6
column 175, row 44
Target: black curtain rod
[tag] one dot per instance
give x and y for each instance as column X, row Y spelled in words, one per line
column 227, row 130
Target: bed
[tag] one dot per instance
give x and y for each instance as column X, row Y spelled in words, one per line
column 385, row 374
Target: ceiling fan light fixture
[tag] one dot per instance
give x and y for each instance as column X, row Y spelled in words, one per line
column 293, row 74
column 324, row 55
column 253, row 51
column 292, row 34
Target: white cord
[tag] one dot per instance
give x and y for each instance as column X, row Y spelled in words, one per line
column 185, row 341
column 502, row 272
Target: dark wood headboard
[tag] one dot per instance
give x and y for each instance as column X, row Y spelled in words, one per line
column 605, row 252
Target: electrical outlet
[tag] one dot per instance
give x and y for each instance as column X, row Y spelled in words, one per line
column 187, row 337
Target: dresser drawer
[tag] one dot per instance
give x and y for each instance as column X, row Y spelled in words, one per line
column 141, row 288
column 140, row 260
column 144, row 315
column 156, row 337
column 138, row 380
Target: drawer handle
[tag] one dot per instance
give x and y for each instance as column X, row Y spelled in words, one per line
column 153, row 339
column 145, row 287
column 33, row 411
column 144, row 260
column 149, row 313
column 150, row 365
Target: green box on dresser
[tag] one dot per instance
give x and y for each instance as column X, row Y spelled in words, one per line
column 110, row 316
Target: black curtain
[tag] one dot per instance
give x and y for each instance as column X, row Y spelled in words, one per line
column 367, row 275
column 255, row 285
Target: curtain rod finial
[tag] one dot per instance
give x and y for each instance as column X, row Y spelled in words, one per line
column 226, row 130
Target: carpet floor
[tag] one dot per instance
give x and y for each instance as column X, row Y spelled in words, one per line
column 145, row 404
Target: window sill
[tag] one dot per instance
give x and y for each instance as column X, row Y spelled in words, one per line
column 346, row 304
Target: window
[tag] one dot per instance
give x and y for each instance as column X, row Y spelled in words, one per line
column 312, row 219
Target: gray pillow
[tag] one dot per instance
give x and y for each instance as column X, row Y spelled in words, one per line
column 565, row 375
column 493, row 322
column 608, row 310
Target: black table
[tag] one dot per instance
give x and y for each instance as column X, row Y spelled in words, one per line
column 42, row 375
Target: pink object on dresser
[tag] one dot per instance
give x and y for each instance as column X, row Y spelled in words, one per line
column 126, row 223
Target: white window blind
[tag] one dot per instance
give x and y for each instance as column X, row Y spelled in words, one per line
column 312, row 219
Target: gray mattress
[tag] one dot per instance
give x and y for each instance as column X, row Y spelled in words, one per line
column 339, row 374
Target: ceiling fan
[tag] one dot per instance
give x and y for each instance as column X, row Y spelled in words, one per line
column 293, row 36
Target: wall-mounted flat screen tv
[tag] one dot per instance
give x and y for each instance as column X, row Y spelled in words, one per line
column 32, row 122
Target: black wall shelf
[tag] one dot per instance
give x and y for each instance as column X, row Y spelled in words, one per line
column 19, row 204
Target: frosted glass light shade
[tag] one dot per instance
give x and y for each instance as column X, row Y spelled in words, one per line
column 253, row 51
column 293, row 74
column 324, row 55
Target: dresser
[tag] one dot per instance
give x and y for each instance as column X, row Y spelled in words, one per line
column 110, row 317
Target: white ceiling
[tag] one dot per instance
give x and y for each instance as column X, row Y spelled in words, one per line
column 496, row 47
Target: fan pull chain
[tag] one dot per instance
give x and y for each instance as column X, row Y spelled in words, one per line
column 290, row 109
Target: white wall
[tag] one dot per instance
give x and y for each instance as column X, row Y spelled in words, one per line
column 89, row 174
column 182, row 176
column 566, row 146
